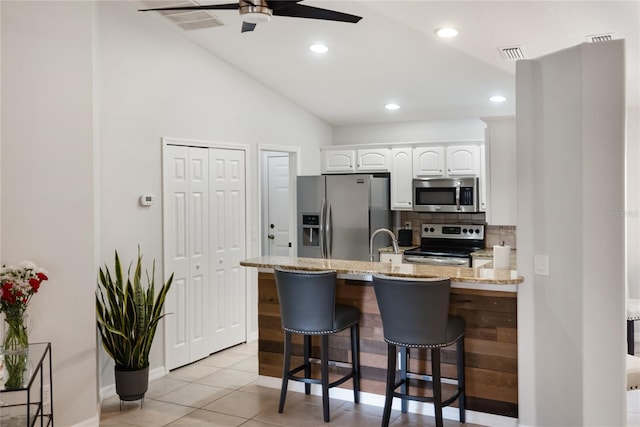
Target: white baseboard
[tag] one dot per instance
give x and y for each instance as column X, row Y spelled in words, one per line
column 450, row 413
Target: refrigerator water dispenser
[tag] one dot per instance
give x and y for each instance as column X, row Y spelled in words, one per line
column 311, row 229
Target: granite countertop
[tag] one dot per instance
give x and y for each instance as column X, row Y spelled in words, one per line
column 367, row 268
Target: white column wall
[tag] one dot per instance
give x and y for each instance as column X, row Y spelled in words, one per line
column 570, row 141
column 47, row 185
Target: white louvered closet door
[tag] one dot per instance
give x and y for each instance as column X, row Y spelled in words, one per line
column 186, row 246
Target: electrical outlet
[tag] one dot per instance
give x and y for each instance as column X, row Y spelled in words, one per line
column 46, row 394
column 407, row 224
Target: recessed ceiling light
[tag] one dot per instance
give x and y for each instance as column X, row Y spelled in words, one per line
column 447, row 32
column 319, row 48
column 391, row 106
column 497, row 98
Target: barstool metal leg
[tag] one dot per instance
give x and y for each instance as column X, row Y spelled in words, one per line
column 285, row 370
column 461, row 379
column 437, row 385
column 324, row 349
column 391, row 383
column 307, row 365
column 355, row 360
column 404, row 368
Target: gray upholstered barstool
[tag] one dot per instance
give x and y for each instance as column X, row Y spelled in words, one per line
column 415, row 314
column 308, row 307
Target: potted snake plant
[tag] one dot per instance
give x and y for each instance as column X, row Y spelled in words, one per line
column 128, row 313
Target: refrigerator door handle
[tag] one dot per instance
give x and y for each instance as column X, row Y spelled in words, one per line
column 329, row 232
column 323, row 236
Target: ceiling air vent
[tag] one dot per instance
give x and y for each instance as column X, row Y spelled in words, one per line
column 186, row 19
column 512, row 53
column 600, row 38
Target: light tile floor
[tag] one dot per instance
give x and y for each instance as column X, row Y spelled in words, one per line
column 221, row 391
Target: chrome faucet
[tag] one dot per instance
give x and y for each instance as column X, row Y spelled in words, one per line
column 394, row 241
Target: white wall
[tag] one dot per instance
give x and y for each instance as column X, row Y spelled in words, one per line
column 88, row 90
column 570, row 148
column 632, row 209
column 428, row 130
column 47, row 184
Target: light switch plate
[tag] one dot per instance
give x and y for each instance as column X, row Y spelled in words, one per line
column 541, row 265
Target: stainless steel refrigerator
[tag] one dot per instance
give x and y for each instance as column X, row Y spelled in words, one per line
column 338, row 213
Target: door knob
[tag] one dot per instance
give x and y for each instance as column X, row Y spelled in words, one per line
column 271, row 236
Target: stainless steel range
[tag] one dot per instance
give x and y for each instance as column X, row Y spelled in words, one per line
column 446, row 245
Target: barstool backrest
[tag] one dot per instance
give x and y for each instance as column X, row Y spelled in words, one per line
column 307, row 300
column 414, row 312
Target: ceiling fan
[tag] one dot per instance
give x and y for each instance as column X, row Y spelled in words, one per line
column 258, row 11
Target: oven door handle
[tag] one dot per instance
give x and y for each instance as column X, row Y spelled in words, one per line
column 433, row 260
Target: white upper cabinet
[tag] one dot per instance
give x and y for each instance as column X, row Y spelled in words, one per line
column 428, row 161
column 444, row 161
column 338, row 161
column 401, row 179
column 373, row 160
column 501, row 176
column 463, row 160
column 350, row 161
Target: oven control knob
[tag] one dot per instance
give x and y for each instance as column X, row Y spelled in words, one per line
column 477, row 231
column 432, row 229
column 464, row 230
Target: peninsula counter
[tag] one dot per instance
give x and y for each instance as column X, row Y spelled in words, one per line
column 485, row 298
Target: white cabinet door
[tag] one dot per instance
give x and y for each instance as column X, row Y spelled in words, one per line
column 373, row 160
column 428, row 161
column 401, row 179
column 484, row 183
column 338, row 161
column 463, row 160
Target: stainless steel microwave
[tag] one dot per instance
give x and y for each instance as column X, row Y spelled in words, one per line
column 446, row 194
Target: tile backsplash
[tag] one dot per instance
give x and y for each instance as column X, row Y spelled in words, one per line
column 494, row 234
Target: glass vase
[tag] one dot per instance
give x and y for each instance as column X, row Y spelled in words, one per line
column 15, row 349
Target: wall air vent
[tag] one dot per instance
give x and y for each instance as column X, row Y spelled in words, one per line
column 185, row 19
column 595, row 38
column 511, row 53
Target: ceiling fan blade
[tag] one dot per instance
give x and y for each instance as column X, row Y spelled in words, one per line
column 229, row 6
column 247, row 26
column 295, row 10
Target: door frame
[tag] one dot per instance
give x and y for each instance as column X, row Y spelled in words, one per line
column 165, row 141
column 295, row 168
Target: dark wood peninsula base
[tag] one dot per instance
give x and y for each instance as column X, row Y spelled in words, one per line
column 490, row 342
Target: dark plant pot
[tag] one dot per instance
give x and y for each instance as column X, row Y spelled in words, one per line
column 131, row 384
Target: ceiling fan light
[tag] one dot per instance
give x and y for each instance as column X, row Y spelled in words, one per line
column 256, row 17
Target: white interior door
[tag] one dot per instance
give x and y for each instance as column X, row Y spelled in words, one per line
column 277, row 222
column 227, row 219
column 186, row 198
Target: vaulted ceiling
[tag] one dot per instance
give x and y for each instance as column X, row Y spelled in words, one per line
column 394, row 55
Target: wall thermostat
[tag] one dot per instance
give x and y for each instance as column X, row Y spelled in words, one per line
column 147, row 199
